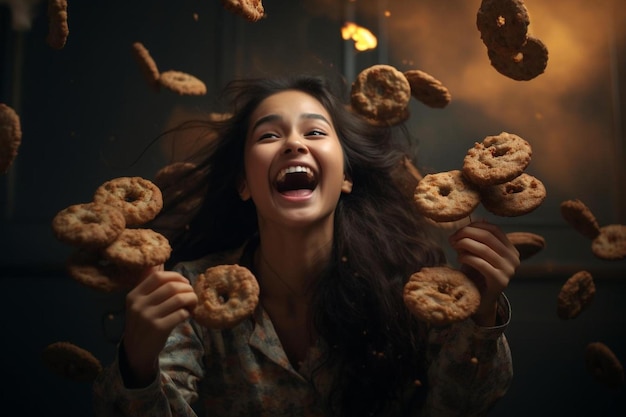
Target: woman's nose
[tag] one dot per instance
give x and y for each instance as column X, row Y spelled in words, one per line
column 294, row 144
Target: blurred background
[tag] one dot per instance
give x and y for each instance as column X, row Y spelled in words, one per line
column 88, row 116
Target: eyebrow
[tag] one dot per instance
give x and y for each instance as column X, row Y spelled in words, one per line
column 275, row 117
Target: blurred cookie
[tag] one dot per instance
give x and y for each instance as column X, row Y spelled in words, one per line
column 427, row 89
column 147, row 65
column 527, row 244
column 10, row 136
column 610, row 244
column 503, row 24
column 93, row 270
column 579, row 216
column 58, row 29
column 180, row 176
column 70, row 361
column 575, row 295
column 381, row 95
column 251, row 10
column 525, row 64
column 182, row 83
column 407, row 176
column 603, row 365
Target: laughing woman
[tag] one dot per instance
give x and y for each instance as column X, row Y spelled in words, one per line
column 302, row 192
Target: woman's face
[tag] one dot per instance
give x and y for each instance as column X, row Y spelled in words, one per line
column 294, row 166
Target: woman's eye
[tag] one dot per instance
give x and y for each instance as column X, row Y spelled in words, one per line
column 267, row 136
column 316, row 133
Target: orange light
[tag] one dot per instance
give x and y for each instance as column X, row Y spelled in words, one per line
column 363, row 38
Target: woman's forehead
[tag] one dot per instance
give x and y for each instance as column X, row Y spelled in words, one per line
column 290, row 102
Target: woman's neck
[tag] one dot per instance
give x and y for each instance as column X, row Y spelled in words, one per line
column 289, row 261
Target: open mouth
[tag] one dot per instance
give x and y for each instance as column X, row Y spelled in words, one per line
column 295, row 179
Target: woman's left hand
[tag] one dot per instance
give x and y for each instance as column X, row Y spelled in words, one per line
column 488, row 258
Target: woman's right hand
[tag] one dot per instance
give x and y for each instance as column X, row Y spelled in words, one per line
column 161, row 301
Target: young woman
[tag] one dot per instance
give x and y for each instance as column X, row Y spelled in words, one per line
column 305, row 194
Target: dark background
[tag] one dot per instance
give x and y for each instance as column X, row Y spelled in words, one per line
column 88, row 116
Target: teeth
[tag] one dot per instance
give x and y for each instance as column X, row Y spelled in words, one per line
column 293, row 169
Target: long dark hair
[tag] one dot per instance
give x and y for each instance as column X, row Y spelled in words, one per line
column 375, row 347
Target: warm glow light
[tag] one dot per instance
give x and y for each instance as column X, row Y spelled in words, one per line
column 363, row 38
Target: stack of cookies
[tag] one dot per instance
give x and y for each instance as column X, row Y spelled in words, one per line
column 112, row 250
column 381, row 93
column 503, row 27
column 607, row 242
column 492, row 174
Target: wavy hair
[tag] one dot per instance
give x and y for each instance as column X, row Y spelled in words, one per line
column 375, row 345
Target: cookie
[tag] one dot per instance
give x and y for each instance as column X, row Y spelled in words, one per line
column 427, row 89
column 70, row 361
column 58, row 29
column 182, row 185
column 517, row 197
column 182, row 83
column 92, row 270
column 138, row 249
column 406, row 176
column 530, row 61
column 227, row 294
column 10, row 136
column 603, row 365
column 139, row 199
column 580, row 217
column 446, row 196
column 147, row 65
column 441, row 295
column 381, row 95
column 503, row 24
column 393, row 120
column 527, row 244
column 575, row 295
column 88, row 225
column 610, row 244
column 180, row 177
column 251, row 10
column 497, row 159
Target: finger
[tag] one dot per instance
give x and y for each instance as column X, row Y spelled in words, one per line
column 174, row 318
column 478, row 239
column 481, row 230
column 489, row 280
column 491, row 250
column 167, row 291
column 153, row 304
column 157, row 279
column 173, row 310
column 485, row 259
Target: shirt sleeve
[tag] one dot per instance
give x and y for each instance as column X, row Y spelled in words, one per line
column 469, row 367
column 171, row 394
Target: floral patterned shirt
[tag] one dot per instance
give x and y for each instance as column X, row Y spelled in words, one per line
column 244, row 371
